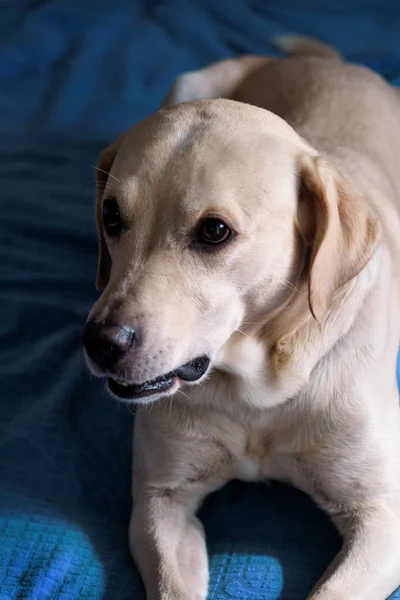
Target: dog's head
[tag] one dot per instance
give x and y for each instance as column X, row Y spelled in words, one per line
column 209, row 214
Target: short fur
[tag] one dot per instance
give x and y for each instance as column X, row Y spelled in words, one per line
column 299, row 313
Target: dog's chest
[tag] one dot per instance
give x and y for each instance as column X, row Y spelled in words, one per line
column 254, row 462
column 263, row 431
column 262, row 459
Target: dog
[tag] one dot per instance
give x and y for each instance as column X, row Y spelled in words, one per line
column 249, row 264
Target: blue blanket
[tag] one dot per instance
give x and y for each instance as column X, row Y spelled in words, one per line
column 72, row 75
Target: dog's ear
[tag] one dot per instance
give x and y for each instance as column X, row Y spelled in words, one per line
column 104, row 165
column 339, row 227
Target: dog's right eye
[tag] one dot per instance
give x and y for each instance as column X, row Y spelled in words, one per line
column 111, row 217
column 213, row 231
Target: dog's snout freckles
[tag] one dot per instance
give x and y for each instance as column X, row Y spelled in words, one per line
column 121, row 341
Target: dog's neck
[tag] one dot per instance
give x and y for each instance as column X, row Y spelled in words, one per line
column 274, row 362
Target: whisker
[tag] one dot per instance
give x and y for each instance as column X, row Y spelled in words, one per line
column 183, row 394
column 242, row 332
column 290, row 285
column 100, row 186
column 106, row 172
column 131, row 410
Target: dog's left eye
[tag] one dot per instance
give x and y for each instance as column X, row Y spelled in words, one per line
column 213, row 231
column 111, row 217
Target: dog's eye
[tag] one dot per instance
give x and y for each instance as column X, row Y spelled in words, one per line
column 213, row 231
column 111, row 217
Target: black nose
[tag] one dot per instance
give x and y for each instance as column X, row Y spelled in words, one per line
column 106, row 344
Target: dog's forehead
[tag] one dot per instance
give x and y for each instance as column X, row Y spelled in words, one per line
column 169, row 133
column 189, row 159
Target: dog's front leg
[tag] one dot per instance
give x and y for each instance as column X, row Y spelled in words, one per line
column 174, row 468
column 368, row 567
column 168, row 545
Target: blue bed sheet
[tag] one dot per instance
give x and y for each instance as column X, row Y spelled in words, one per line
column 72, row 75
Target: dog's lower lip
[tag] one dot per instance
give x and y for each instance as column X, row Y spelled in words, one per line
column 143, row 390
column 191, row 371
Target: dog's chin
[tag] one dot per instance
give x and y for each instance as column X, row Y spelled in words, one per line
column 163, row 385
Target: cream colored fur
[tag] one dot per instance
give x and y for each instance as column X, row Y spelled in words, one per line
column 299, row 314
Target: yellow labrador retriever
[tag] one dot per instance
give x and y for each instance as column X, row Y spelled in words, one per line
column 250, row 270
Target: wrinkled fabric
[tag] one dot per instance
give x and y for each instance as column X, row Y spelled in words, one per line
column 73, row 75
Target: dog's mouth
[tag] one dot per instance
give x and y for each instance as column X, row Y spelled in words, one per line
column 189, row 372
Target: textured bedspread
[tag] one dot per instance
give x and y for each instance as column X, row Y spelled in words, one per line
column 73, row 73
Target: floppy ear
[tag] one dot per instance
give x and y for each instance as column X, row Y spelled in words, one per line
column 104, row 165
column 340, row 227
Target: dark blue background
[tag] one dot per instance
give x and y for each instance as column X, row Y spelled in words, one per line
column 74, row 73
